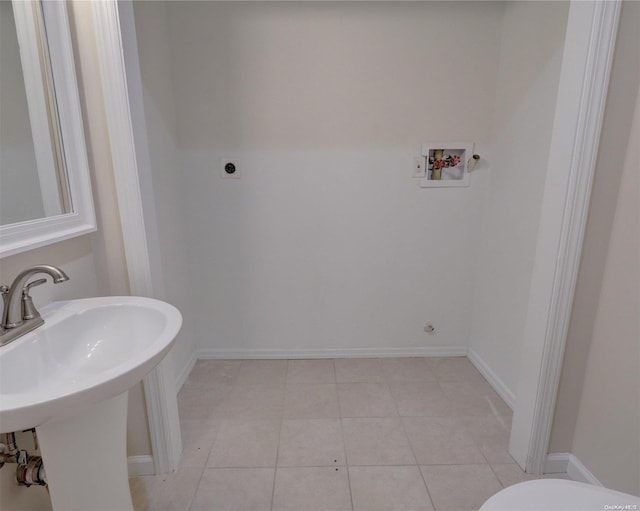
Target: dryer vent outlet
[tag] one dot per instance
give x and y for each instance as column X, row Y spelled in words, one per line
column 230, row 168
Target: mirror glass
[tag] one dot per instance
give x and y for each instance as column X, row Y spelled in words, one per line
column 45, row 186
column 33, row 180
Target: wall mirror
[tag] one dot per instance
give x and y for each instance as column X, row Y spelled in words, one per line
column 45, row 188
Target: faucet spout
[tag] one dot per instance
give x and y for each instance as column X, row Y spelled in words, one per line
column 12, row 311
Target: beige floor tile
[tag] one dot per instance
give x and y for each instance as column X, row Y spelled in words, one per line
column 212, row 372
column 371, row 441
column 253, row 402
column 234, row 489
column 366, row 400
column 407, row 369
column 311, row 401
column 474, row 399
column 197, row 440
column 141, row 492
column 202, row 403
column 441, row 441
column 460, row 487
column 312, row 489
column 455, row 369
column 172, row 492
column 255, row 372
column 510, row 473
column 358, row 370
column 245, row 443
column 420, row 399
column 491, row 435
column 388, row 489
column 310, row 371
column 311, row 443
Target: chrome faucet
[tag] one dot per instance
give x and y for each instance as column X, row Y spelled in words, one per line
column 19, row 315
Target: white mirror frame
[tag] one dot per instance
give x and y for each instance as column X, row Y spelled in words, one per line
column 22, row 236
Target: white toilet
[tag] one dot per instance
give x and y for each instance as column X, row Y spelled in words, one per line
column 560, row 495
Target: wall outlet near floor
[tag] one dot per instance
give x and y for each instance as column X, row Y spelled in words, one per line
column 429, row 328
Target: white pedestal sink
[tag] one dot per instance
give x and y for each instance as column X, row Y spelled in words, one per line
column 69, row 380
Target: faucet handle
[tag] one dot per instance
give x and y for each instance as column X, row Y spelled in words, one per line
column 27, row 288
column 4, row 291
column 28, row 309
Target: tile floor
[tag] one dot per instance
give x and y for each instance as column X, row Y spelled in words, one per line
column 327, row 435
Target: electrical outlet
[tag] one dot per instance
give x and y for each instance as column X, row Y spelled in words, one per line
column 419, row 166
column 230, row 168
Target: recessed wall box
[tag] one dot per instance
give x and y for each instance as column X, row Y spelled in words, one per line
column 446, row 164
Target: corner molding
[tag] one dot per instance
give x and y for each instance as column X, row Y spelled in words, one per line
column 140, row 465
column 556, row 463
column 559, row 463
column 577, row 471
column 184, row 373
column 494, row 380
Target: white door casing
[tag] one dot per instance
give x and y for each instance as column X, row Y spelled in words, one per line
column 159, row 386
column 586, row 65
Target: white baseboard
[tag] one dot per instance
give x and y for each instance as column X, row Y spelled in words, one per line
column 184, row 373
column 498, row 385
column 441, row 351
column 558, row 463
column 140, row 465
column 578, row 472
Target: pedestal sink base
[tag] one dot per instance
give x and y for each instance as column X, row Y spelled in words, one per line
column 85, row 458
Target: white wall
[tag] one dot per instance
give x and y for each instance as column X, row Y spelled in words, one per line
column 326, row 243
column 607, row 434
column 521, row 131
column 164, row 204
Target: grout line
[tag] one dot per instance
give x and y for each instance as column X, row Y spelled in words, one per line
column 213, row 443
column 346, row 461
column 344, row 441
column 413, row 453
column 424, row 481
column 494, row 473
column 275, row 467
column 193, row 497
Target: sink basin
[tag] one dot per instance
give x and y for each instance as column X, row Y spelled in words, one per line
column 87, row 351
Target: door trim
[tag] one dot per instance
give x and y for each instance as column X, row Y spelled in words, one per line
column 159, row 387
column 586, row 65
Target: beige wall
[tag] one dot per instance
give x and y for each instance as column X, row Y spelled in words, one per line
column 597, row 409
column 607, row 435
column 108, row 244
column 611, row 159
